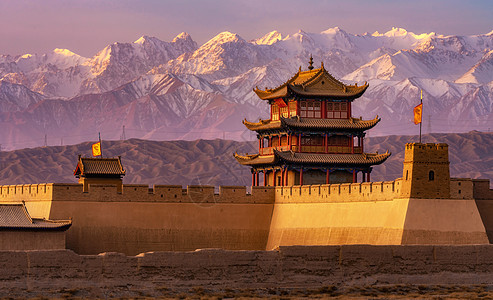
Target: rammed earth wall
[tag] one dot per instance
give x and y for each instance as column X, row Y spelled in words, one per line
column 169, row 218
column 243, row 273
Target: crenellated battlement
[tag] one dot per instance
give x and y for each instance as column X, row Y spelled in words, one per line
column 345, row 192
column 135, row 193
column 430, row 152
column 460, row 188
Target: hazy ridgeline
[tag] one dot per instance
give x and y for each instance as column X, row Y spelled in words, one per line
column 211, row 162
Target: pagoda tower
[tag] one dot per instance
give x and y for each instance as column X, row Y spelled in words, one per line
column 311, row 137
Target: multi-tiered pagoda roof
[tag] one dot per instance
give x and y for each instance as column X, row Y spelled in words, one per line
column 311, row 129
column 313, row 83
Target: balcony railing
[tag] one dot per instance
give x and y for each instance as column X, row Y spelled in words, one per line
column 310, row 149
column 269, row 150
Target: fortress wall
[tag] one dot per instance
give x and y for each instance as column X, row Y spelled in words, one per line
column 444, row 221
column 162, row 218
column 375, row 213
column 344, row 222
column 483, row 196
column 345, row 192
column 32, row 240
column 57, row 273
column 482, row 189
column 37, row 197
column 461, row 188
column 134, row 227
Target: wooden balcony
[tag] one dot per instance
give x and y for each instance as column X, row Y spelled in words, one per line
column 311, row 149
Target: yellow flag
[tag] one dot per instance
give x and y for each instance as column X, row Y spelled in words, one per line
column 418, row 114
column 96, row 149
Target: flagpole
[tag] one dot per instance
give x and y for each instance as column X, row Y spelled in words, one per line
column 101, row 148
column 419, row 122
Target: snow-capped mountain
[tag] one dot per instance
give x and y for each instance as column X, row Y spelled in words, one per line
column 178, row 90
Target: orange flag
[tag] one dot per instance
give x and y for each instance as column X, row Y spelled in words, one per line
column 96, row 149
column 418, row 114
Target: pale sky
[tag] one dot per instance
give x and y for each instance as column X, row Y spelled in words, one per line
column 87, row 26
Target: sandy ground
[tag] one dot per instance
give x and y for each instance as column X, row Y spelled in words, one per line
column 328, row 292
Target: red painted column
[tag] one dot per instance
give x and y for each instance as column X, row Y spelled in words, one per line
column 327, row 179
column 253, row 178
column 286, row 179
column 324, row 110
column 274, row 177
column 282, row 177
column 352, row 144
column 301, row 176
column 260, row 144
column 299, row 142
column 257, row 178
column 326, row 143
column 265, row 178
column 349, row 109
column 369, row 176
column 354, row 176
column 362, row 145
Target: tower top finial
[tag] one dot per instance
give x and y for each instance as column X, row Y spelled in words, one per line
column 310, row 63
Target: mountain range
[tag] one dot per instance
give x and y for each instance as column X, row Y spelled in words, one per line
column 211, row 162
column 152, row 89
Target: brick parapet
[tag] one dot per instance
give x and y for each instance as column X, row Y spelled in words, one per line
column 461, row 188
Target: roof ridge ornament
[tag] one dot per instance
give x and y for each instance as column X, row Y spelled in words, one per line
column 310, row 63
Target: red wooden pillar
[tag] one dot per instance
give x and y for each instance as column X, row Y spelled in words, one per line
column 253, row 178
column 362, row 145
column 327, row 178
column 326, row 143
column 301, row 176
column 352, row 144
column 286, row 175
column 265, row 178
column 299, row 142
column 274, row 177
column 368, row 175
column 282, row 177
column 257, row 178
column 349, row 109
column 260, row 143
column 324, row 110
column 354, row 176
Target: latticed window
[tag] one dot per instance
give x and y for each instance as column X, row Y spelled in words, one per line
column 312, row 140
column 337, row 110
column 338, row 140
column 292, row 108
column 275, row 112
column 285, row 112
column 311, row 109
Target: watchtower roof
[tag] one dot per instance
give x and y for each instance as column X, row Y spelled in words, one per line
column 351, row 124
column 99, row 167
column 314, row 83
column 363, row 159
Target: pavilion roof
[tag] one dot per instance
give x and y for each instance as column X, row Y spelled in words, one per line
column 89, row 166
column 309, row 123
column 15, row 217
column 364, row 159
column 315, row 83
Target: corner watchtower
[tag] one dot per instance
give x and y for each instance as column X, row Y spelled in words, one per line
column 426, row 171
